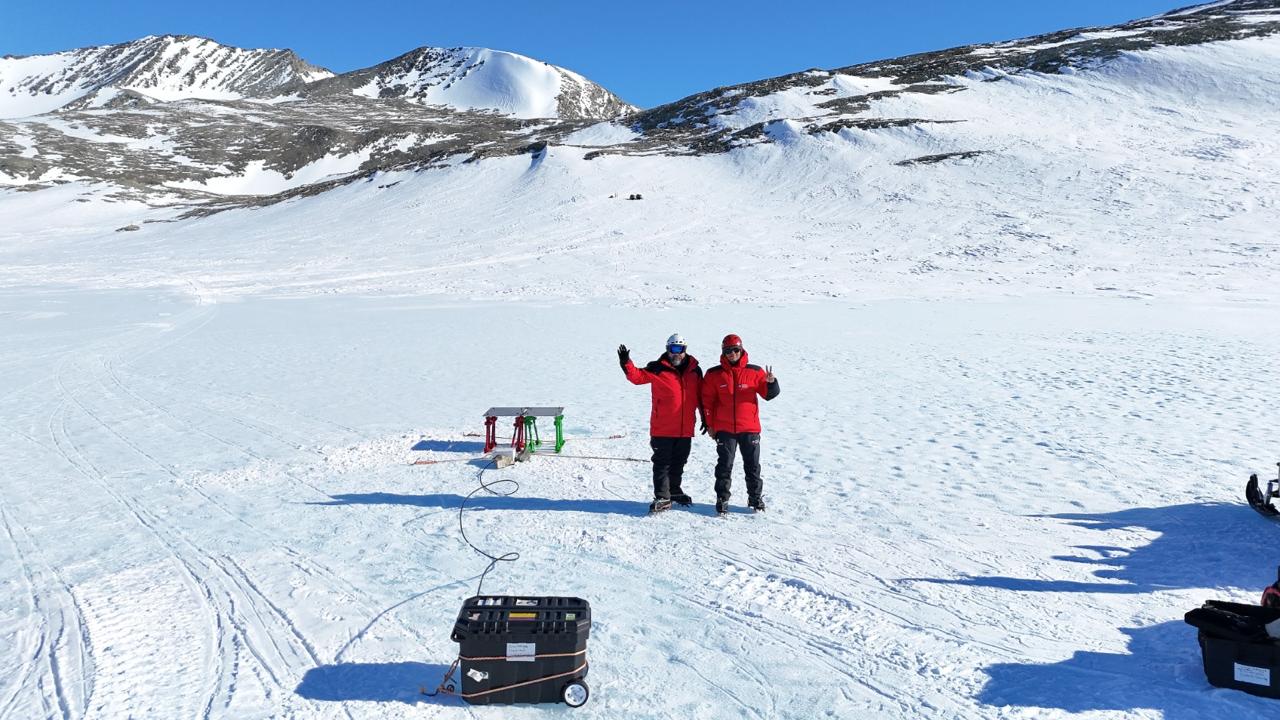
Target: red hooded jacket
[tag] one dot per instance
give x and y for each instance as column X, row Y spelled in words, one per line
column 729, row 395
column 676, row 394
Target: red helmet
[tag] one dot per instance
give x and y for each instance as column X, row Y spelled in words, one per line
column 731, row 340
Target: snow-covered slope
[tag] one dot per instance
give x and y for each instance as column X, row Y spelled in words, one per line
column 168, row 67
column 980, row 510
column 818, row 101
column 259, row 123
column 481, row 79
column 1151, row 172
column 481, row 103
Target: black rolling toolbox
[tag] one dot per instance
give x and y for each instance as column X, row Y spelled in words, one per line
column 1237, row 651
column 523, row 649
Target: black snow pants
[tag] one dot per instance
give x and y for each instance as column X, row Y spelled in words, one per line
column 669, row 456
column 727, row 445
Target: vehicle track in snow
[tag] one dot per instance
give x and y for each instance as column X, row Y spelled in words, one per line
column 882, row 615
column 241, row 629
column 891, row 600
column 300, row 560
column 251, row 634
column 222, row 597
column 853, row 635
column 305, row 564
column 197, row 589
column 41, row 651
column 758, row 629
column 238, row 402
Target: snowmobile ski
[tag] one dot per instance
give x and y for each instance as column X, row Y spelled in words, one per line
column 1260, row 500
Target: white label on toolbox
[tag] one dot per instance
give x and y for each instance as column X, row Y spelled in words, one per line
column 521, row 652
column 1247, row 674
column 526, row 603
column 477, row 675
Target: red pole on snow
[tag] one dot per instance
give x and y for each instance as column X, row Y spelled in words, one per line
column 490, row 433
column 517, row 438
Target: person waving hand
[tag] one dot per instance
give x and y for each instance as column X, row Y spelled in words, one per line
column 675, row 383
column 730, row 399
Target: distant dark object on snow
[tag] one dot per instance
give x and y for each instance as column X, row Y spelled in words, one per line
column 931, row 159
column 635, row 196
column 128, row 228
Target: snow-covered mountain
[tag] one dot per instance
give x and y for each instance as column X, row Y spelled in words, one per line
column 164, row 68
column 179, row 67
column 818, row 101
column 1138, row 158
column 480, row 79
column 259, row 122
column 306, row 129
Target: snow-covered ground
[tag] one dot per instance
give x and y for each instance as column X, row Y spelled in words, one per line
column 1021, row 393
column 977, row 509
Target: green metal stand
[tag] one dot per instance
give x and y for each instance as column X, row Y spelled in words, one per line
column 525, row 429
column 531, row 439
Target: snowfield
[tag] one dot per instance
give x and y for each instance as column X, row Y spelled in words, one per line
column 977, row 509
column 1022, row 390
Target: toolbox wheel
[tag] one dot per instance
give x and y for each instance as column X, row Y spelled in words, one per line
column 575, row 693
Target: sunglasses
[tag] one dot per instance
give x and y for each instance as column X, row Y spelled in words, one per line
column 675, row 349
column 734, row 349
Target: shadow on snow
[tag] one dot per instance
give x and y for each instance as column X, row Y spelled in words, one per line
column 1202, row 545
column 1199, row 545
column 1162, row 671
column 376, row 682
column 492, row 502
column 458, row 446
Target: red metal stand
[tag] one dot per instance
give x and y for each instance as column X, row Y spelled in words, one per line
column 490, row 433
column 524, row 431
column 517, row 437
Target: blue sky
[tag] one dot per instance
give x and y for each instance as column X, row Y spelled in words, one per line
column 647, row 52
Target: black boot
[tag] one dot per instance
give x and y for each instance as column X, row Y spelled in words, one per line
column 682, row 499
column 722, row 507
column 756, row 504
column 659, row 504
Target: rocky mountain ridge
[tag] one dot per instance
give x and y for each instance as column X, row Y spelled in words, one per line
column 478, row 79
column 157, row 68
column 183, row 67
column 279, row 136
column 714, row 119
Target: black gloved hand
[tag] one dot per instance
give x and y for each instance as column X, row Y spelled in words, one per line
column 624, row 355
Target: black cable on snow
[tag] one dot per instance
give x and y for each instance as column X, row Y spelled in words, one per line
column 493, row 560
column 588, row 457
column 515, row 487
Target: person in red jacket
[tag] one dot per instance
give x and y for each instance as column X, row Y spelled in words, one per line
column 675, row 383
column 729, row 399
